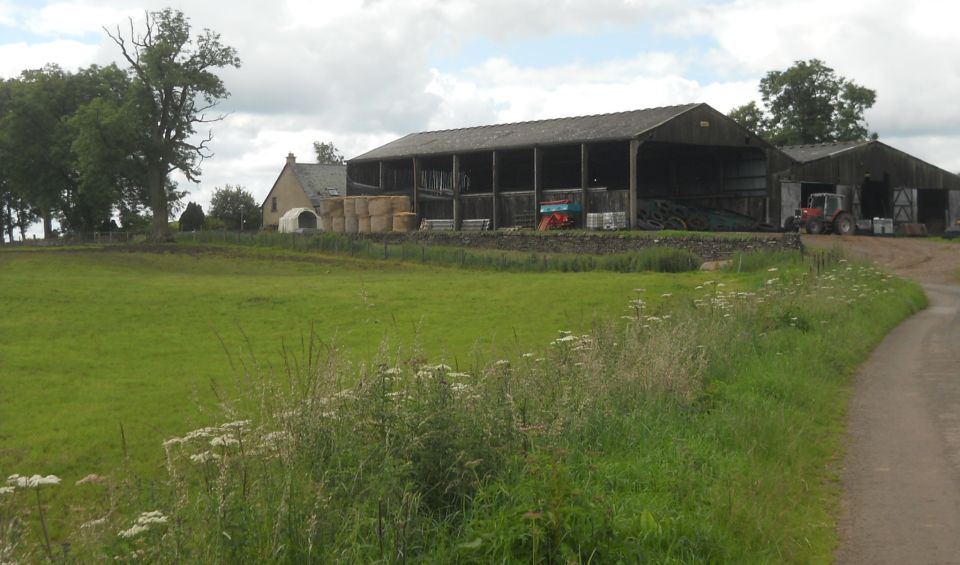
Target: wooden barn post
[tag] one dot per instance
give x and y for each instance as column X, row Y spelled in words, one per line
column 416, row 188
column 537, row 183
column 495, row 187
column 457, row 205
column 632, row 212
column 380, row 176
column 584, row 182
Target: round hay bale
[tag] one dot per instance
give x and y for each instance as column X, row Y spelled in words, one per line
column 331, row 207
column 350, row 207
column 362, row 206
column 401, row 204
column 337, row 224
column 351, row 224
column 363, row 224
column 381, row 223
column 380, row 206
column 404, row 222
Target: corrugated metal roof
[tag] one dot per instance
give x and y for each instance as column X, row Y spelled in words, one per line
column 807, row 153
column 601, row 127
column 316, row 179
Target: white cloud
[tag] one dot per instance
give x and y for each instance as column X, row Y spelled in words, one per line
column 16, row 57
column 75, row 18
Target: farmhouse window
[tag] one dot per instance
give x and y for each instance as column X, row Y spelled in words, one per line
column 273, row 204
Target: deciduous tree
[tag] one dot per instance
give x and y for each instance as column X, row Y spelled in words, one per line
column 235, row 207
column 808, row 103
column 327, row 153
column 174, row 88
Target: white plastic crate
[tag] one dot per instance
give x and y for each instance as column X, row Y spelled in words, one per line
column 614, row 220
column 595, row 221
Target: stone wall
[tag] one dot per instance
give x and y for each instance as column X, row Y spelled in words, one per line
column 708, row 247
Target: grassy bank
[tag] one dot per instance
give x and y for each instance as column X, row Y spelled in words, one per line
column 704, row 427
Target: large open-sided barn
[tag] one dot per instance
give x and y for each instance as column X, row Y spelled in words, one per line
column 689, row 154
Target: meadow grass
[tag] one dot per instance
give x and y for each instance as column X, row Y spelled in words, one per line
column 105, row 352
column 704, row 427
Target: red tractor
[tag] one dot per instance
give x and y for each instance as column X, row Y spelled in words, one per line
column 825, row 212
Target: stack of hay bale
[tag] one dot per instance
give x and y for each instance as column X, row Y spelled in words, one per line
column 367, row 214
column 331, row 215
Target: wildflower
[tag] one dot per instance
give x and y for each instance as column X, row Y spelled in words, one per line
column 666, row 295
column 94, row 523
column 232, row 426
column 720, row 285
column 393, row 371
column 699, row 287
column 200, row 433
column 7, row 490
column 527, row 355
column 442, row 367
column 173, row 441
column 133, row 531
column 453, row 375
column 204, row 457
column 502, row 363
column 90, row 479
column 223, row 441
column 154, row 517
column 772, row 270
column 34, row 481
column 639, row 290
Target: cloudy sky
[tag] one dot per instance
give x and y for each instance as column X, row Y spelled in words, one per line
column 363, row 72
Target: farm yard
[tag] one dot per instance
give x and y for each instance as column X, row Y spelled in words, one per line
column 535, row 416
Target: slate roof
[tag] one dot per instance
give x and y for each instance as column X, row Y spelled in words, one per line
column 581, row 129
column 808, row 153
column 317, row 179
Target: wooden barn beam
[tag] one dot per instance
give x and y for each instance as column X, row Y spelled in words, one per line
column 457, row 204
column 584, row 181
column 495, row 187
column 537, row 183
column 380, row 176
column 416, row 188
column 632, row 211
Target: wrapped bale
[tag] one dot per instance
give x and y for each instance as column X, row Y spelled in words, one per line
column 381, row 223
column 351, row 224
column 362, row 206
column 380, row 206
column 350, row 206
column 363, row 224
column 400, row 204
column 404, row 222
column 337, row 224
column 331, row 207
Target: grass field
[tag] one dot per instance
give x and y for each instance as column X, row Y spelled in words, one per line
column 706, row 427
column 93, row 340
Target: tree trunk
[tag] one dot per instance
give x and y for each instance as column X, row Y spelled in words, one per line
column 160, row 227
column 47, row 223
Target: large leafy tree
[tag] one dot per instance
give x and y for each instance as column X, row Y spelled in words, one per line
column 174, row 88
column 327, row 153
column 34, row 143
column 808, row 103
column 235, row 207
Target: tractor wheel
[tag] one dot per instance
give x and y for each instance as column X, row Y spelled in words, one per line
column 815, row 226
column 843, row 224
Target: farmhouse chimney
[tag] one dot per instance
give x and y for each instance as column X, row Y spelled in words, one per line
column 291, row 159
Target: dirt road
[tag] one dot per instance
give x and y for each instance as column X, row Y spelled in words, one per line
column 901, row 476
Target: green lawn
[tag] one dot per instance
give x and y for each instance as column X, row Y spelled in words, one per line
column 91, row 340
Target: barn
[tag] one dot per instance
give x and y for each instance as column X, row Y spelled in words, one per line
column 691, row 154
column 879, row 181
